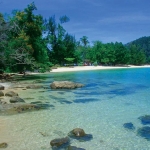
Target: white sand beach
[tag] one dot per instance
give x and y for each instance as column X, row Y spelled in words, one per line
column 82, row 68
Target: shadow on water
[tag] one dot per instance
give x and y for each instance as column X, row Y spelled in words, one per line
column 121, row 91
column 31, row 77
column 85, row 100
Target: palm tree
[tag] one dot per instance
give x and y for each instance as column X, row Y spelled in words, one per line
column 84, row 41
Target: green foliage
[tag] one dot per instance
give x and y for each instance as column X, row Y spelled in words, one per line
column 143, row 44
column 69, row 59
column 22, row 46
column 136, row 57
column 62, row 44
column 95, row 63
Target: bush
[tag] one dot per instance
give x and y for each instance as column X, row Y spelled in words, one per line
column 95, row 63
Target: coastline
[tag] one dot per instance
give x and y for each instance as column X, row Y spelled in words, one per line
column 86, row 68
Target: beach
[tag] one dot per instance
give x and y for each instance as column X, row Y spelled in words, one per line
column 83, row 68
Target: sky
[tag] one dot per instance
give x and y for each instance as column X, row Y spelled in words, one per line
column 102, row 20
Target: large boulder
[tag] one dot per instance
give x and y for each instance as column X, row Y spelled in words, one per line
column 65, row 85
column 1, row 93
column 11, row 94
column 59, row 142
column 2, row 87
column 16, row 99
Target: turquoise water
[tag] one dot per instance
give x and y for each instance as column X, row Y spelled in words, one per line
column 109, row 99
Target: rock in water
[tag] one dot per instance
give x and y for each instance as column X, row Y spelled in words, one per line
column 74, row 148
column 80, row 135
column 145, row 119
column 2, row 87
column 59, row 142
column 144, row 132
column 11, row 94
column 34, row 86
column 78, row 132
column 3, row 145
column 129, row 126
column 65, row 85
column 16, row 99
column 1, row 93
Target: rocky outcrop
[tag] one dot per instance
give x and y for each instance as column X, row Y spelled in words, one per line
column 11, row 94
column 16, row 99
column 59, row 142
column 2, row 87
column 65, row 85
column 1, row 93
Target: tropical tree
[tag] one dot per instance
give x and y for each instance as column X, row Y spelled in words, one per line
column 62, row 44
column 84, row 43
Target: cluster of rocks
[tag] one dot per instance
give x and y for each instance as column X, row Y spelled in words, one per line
column 142, row 131
column 76, row 133
column 18, row 105
column 6, row 77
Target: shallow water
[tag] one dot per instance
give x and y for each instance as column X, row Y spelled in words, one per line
column 109, row 99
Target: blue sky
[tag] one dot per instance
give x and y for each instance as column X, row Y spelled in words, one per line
column 103, row 20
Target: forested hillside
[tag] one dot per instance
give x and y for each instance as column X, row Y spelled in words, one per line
column 142, row 43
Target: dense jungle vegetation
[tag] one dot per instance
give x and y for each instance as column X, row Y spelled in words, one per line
column 31, row 42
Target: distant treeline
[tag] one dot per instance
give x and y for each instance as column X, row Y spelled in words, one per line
column 29, row 42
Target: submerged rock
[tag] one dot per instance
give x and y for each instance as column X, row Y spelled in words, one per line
column 14, row 108
column 78, row 132
column 11, row 94
column 34, row 86
column 60, row 142
column 16, row 99
column 145, row 119
column 144, row 132
column 2, row 87
column 74, row 148
column 129, row 126
column 3, row 145
column 1, row 93
column 65, row 85
column 80, row 135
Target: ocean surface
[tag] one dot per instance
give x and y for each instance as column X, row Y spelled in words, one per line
column 109, row 99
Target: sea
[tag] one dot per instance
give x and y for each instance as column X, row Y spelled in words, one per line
column 109, row 100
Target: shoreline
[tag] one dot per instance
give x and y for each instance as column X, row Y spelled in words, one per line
column 88, row 68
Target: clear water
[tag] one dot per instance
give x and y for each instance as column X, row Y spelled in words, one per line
column 109, row 99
